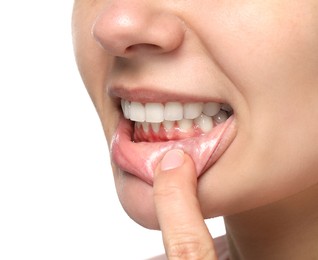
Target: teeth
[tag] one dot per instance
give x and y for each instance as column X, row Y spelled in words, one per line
column 155, row 127
column 221, row 117
column 138, row 124
column 227, row 108
column 173, row 111
column 168, row 125
column 137, row 112
column 204, row 122
column 185, row 115
column 125, row 105
column 154, row 112
column 185, row 124
column 211, row 108
column 192, row 110
column 145, row 126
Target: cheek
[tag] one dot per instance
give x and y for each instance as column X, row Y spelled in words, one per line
column 94, row 64
column 273, row 64
column 272, row 55
column 256, row 38
column 91, row 61
column 249, row 177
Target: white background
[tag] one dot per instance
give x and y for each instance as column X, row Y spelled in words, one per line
column 57, row 198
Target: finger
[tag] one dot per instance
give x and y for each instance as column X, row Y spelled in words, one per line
column 185, row 234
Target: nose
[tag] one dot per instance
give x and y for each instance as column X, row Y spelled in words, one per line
column 128, row 28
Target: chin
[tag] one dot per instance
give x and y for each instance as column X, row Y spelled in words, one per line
column 136, row 198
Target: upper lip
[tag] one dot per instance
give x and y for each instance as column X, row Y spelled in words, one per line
column 156, row 94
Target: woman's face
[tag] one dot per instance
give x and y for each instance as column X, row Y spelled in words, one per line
column 162, row 58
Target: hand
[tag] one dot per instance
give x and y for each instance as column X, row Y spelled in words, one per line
column 185, row 235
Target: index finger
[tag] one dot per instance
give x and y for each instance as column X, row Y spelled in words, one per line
column 185, row 234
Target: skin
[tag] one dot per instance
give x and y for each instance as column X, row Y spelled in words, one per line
column 259, row 56
column 185, row 234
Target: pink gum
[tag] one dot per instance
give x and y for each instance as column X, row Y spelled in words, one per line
column 175, row 133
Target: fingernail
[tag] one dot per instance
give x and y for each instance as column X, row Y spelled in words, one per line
column 172, row 159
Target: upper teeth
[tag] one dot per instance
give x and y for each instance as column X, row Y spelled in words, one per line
column 171, row 111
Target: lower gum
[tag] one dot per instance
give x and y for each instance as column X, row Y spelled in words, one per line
column 162, row 135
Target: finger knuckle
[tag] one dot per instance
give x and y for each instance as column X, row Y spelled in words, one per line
column 187, row 248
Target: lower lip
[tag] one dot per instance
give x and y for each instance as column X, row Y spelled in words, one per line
column 141, row 159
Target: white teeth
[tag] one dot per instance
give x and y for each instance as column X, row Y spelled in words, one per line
column 155, row 127
column 185, row 124
column 122, row 103
column 211, row 108
column 192, row 110
column 168, row 125
column 185, row 115
column 137, row 112
column 145, row 126
column 173, row 111
column 138, row 124
column 154, row 112
column 221, row 117
column 204, row 122
column 125, row 105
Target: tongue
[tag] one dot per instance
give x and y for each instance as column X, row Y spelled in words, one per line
column 141, row 159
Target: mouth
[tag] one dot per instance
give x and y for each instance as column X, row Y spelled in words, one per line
column 146, row 131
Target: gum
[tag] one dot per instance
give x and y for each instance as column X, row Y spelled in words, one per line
column 173, row 134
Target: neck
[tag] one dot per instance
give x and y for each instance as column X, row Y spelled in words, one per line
column 287, row 229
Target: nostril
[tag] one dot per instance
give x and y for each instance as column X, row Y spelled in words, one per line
column 144, row 47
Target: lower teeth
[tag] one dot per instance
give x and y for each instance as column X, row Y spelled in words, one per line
column 221, row 117
column 203, row 123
